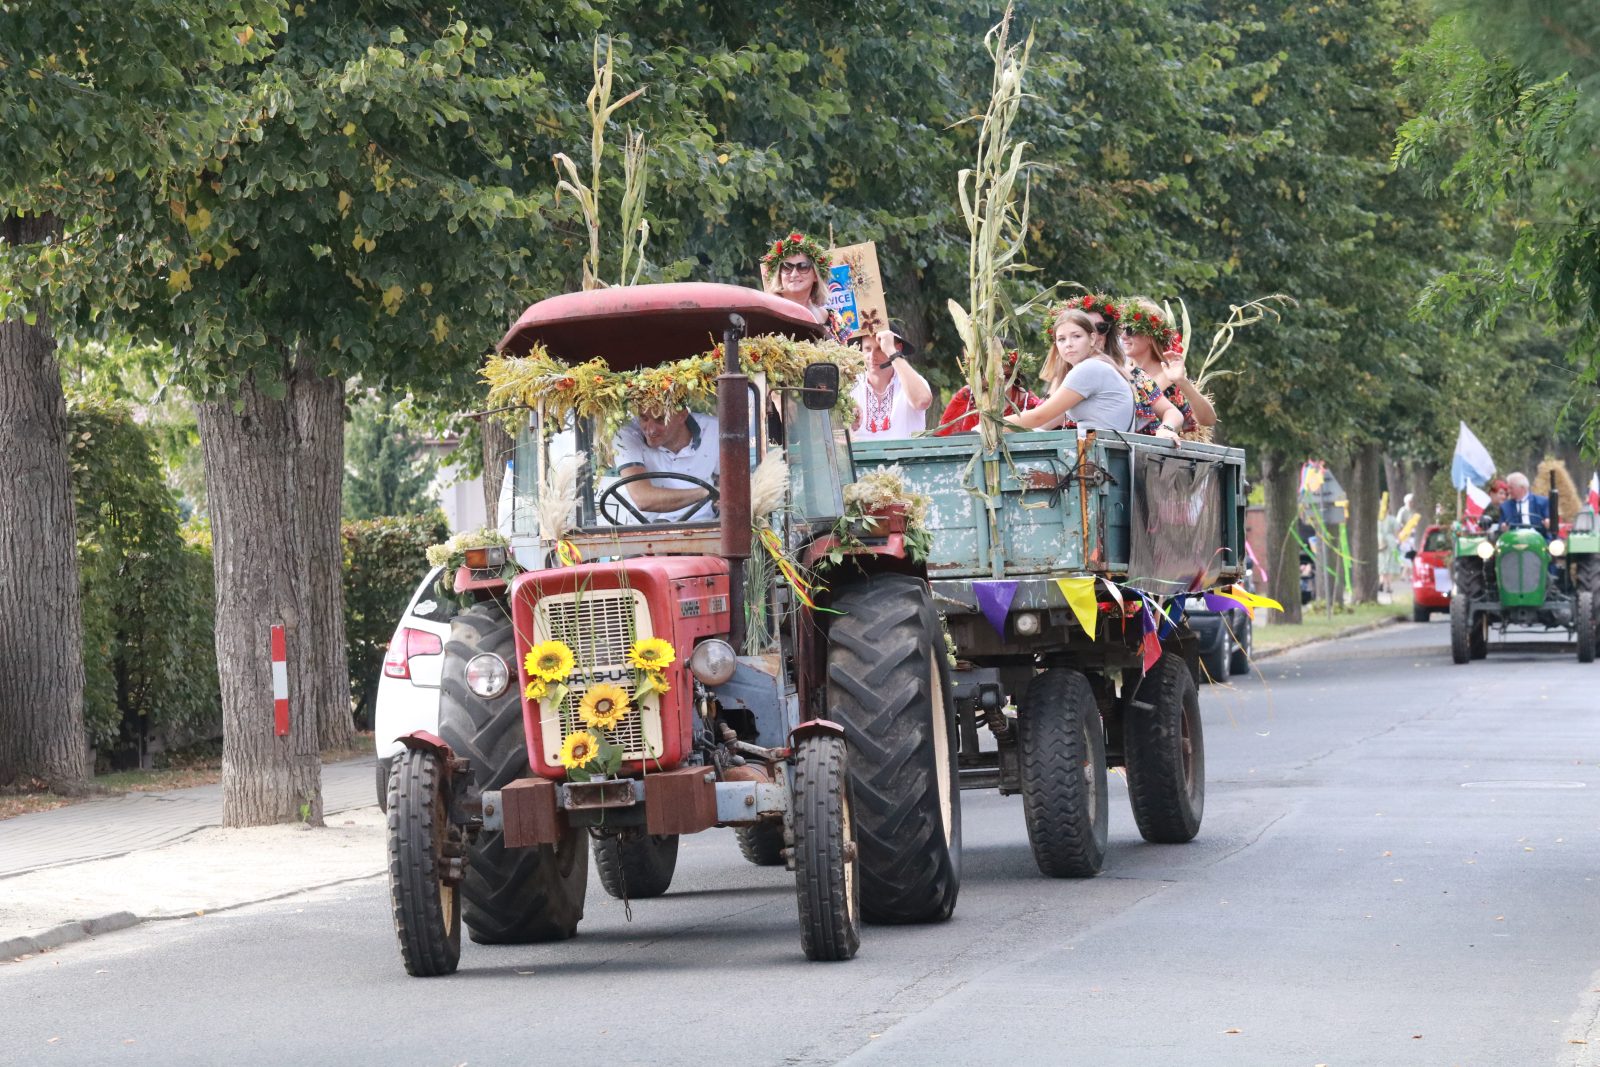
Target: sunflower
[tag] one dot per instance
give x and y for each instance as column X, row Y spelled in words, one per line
column 604, row 706
column 652, row 654
column 536, row 689
column 549, row 660
column 578, row 749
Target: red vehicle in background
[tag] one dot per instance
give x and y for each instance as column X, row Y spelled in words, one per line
column 1430, row 573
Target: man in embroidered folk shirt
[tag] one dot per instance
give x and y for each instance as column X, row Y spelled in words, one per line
column 673, row 442
column 892, row 399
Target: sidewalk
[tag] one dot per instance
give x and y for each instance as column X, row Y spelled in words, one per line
column 108, row 864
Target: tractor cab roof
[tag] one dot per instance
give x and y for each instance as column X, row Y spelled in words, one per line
column 635, row 326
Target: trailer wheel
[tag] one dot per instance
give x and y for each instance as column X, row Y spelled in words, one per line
column 762, row 844
column 1166, row 754
column 1062, row 749
column 1585, row 624
column 1215, row 663
column 889, row 687
column 635, row 869
column 825, row 866
column 509, row 896
column 427, row 909
column 1244, row 646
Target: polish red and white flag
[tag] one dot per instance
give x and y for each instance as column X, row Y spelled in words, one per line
column 1476, row 501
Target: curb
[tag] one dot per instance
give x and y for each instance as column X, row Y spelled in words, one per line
column 67, row 933
column 1366, row 627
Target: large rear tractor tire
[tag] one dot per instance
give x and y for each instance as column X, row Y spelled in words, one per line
column 637, row 868
column 762, row 844
column 1166, row 754
column 1585, row 626
column 1062, row 749
column 825, row 849
column 509, row 896
column 889, row 687
column 427, row 909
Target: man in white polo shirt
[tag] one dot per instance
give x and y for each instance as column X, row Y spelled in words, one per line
column 676, row 442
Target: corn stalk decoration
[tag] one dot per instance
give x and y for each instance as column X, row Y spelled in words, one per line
column 635, row 175
column 998, row 226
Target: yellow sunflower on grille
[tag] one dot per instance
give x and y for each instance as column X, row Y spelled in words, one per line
column 549, row 660
column 652, row 654
column 536, row 689
column 578, row 749
column 604, row 706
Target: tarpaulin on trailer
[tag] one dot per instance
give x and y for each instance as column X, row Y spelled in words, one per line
column 1176, row 513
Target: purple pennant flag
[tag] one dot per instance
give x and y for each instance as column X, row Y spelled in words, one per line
column 994, row 600
column 1218, row 602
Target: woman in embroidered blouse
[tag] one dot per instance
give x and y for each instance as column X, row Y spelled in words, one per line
column 1156, row 353
column 793, row 268
column 961, row 416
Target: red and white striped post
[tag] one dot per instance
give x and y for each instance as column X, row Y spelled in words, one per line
column 280, row 682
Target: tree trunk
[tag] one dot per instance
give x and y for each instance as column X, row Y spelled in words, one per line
column 319, row 443
column 1280, row 476
column 41, row 611
column 256, row 468
column 497, row 448
column 1365, row 469
column 1422, row 502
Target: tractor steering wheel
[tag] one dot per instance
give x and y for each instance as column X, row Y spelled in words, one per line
column 622, row 498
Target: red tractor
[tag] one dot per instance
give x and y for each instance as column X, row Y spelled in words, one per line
column 826, row 740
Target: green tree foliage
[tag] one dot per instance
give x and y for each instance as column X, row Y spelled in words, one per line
column 147, row 592
column 385, row 473
column 383, row 562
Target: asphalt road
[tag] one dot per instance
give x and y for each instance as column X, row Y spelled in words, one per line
column 1396, row 867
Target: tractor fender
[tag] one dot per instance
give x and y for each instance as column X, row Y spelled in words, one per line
column 814, row 727
column 423, row 741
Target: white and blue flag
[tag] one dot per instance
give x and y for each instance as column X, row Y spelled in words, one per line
column 1472, row 464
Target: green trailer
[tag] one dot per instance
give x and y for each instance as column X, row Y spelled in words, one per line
column 1510, row 578
column 1045, row 707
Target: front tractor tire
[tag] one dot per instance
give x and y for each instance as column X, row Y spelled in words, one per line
column 1166, row 754
column 636, row 868
column 1584, row 625
column 827, row 885
column 509, row 896
column 427, row 907
column 889, row 687
column 1062, row 750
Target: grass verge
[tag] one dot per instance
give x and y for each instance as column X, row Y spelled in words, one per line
column 1317, row 626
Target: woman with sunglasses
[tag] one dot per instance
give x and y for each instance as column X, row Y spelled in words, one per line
column 1156, row 353
column 793, row 268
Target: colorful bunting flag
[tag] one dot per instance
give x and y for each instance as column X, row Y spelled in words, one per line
column 994, row 600
column 1081, row 599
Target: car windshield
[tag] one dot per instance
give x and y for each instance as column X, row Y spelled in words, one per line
column 1437, row 541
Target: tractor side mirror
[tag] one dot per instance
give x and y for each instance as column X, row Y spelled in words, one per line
column 1411, row 553
column 819, row 386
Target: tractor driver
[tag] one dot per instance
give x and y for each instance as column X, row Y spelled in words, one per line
column 678, row 441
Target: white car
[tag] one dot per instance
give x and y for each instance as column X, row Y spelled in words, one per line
column 408, row 691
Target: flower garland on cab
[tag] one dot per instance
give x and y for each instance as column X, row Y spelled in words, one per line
column 604, row 707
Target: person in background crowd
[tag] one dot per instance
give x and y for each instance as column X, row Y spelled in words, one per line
column 961, row 417
column 891, row 398
column 1094, row 392
column 795, row 268
column 1156, row 353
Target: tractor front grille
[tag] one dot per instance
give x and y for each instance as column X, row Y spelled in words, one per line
column 1519, row 571
column 599, row 626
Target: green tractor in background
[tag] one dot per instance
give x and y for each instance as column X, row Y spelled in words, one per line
column 1513, row 577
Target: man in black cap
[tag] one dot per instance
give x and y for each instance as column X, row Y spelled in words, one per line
column 892, row 399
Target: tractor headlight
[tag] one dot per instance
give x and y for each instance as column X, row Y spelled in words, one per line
column 1485, row 550
column 487, row 675
column 712, row 662
column 1558, row 547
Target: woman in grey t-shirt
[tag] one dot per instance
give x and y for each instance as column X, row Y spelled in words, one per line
column 1095, row 394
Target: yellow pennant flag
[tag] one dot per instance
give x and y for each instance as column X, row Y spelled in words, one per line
column 1080, row 598
column 1254, row 600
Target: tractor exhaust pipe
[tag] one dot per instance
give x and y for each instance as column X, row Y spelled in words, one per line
column 733, row 487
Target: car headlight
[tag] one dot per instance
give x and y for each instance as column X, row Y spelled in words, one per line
column 487, row 675
column 1485, row 550
column 1558, row 547
column 712, row 662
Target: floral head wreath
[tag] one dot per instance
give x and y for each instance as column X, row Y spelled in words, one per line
column 1089, row 303
column 1151, row 324
column 799, row 242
